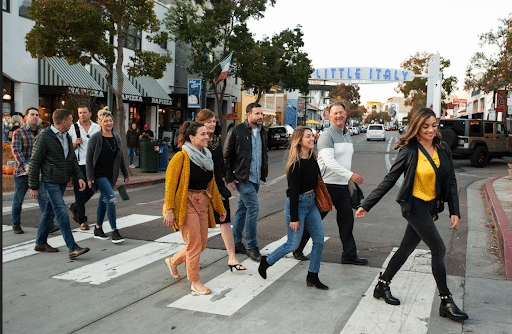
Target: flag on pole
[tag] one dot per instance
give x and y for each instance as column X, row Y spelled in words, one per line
column 225, row 68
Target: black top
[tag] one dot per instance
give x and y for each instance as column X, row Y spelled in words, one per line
column 199, row 178
column 302, row 177
column 107, row 157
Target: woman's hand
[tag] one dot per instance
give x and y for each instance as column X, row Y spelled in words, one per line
column 294, row 226
column 223, row 216
column 90, row 183
column 127, row 180
column 360, row 213
column 170, row 220
column 455, row 222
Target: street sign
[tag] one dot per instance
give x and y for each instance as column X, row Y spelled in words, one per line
column 362, row 75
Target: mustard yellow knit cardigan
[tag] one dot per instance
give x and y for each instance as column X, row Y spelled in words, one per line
column 176, row 190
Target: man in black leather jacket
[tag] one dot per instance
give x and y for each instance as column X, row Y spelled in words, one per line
column 246, row 162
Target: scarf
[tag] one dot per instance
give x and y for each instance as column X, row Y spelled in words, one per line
column 202, row 158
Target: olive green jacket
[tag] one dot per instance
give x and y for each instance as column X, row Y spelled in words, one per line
column 48, row 163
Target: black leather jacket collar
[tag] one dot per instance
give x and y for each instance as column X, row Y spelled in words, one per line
column 406, row 162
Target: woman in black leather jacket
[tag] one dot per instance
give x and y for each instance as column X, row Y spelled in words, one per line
column 421, row 198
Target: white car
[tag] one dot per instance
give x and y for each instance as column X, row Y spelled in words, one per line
column 354, row 130
column 376, row 131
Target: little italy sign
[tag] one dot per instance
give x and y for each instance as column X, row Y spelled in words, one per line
column 362, row 75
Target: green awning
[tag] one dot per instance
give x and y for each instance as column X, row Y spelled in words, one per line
column 149, row 87
column 98, row 72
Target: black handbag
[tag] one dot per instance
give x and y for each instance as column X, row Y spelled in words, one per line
column 356, row 194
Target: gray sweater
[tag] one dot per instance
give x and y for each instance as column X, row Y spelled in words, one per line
column 93, row 153
column 335, row 151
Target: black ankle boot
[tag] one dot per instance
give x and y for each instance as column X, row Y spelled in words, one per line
column 382, row 290
column 450, row 310
column 262, row 269
column 312, row 279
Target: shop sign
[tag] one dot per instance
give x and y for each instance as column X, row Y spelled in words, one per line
column 362, row 75
column 85, row 91
column 155, row 100
column 132, row 98
column 230, row 116
column 194, row 88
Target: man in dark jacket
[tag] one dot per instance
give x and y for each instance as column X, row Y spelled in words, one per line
column 246, row 162
column 54, row 159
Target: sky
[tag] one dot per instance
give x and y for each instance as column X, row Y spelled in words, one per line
column 383, row 33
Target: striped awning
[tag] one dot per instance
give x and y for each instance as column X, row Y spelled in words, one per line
column 149, row 87
column 131, row 93
column 57, row 72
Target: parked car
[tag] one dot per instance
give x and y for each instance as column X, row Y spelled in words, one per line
column 362, row 129
column 376, row 131
column 355, row 131
column 277, row 136
column 403, row 129
column 477, row 139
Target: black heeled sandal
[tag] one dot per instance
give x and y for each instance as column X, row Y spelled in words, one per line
column 237, row 266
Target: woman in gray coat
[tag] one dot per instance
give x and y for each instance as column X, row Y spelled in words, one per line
column 104, row 159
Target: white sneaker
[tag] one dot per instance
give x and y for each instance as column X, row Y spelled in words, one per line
column 132, row 166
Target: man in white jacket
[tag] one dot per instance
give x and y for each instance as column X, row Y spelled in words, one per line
column 335, row 151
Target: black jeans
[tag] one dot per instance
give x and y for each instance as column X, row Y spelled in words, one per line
column 81, row 197
column 344, row 217
column 421, row 227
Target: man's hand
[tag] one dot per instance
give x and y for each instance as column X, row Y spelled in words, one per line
column 360, row 213
column 26, row 169
column 82, row 184
column 232, row 185
column 90, row 183
column 34, row 193
column 77, row 142
column 127, row 180
column 356, row 178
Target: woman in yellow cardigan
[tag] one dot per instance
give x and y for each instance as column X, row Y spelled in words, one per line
column 190, row 201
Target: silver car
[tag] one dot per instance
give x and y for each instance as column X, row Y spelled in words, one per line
column 376, row 131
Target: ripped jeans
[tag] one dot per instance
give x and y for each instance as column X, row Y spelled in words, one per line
column 106, row 202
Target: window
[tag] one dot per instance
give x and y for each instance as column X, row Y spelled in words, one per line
column 500, row 128
column 5, row 5
column 164, row 45
column 23, row 7
column 475, row 128
column 133, row 38
column 488, row 128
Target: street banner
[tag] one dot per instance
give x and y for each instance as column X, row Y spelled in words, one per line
column 194, row 89
column 501, row 99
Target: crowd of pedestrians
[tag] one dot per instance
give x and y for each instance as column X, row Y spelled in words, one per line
column 198, row 179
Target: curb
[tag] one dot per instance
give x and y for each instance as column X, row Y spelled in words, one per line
column 142, row 183
column 503, row 229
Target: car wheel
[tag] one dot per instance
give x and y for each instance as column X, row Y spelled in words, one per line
column 450, row 137
column 367, row 139
column 479, row 157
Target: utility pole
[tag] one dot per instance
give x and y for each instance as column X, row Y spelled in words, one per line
column 203, row 79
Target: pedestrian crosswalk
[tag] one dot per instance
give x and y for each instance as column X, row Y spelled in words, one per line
column 232, row 291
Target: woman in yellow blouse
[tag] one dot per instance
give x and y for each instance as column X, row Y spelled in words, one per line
column 190, row 201
column 424, row 190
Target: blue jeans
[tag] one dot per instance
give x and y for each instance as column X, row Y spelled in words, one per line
column 20, row 190
column 55, row 207
column 106, row 202
column 309, row 217
column 131, row 153
column 247, row 213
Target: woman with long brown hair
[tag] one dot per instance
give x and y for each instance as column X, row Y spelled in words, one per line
column 429, row 181
column 301, row 212
column 190, row 201
column 207, row 117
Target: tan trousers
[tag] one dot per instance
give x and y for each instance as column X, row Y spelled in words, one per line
column 194, row 232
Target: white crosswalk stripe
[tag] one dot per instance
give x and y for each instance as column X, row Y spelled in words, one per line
column 20, row 250
column 115, row 266
column 8, row 208
column 234, row 290
column 415, row 280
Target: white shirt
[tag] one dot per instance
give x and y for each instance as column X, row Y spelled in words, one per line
column 81, row 150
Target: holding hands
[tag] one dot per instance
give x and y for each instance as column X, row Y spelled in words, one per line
column 360, row 213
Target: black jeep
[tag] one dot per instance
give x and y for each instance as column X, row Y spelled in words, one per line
column 477, row 139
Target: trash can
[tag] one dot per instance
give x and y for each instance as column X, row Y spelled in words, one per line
column 149, row 155
column 163, row 153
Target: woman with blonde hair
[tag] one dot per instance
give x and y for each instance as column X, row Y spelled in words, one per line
column 104, row 160
column 207, row 117
column 190, row 201
column 301, row 212
column 429, row 181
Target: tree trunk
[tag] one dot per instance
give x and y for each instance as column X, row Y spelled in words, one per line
column 120, row 114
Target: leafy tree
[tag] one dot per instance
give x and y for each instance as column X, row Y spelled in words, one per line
column 348, row 95
column 493, row 72
column 273, row 61
column 415, row 91
column 84, row 30
column 211, row 30
column 377, row 117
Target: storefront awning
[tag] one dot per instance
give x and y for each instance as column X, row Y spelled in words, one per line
column 130, row 93
column 57, row 72
column 266, row 112
column 149, row 87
